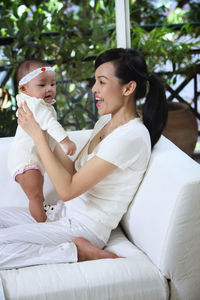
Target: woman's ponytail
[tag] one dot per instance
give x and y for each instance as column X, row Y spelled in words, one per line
column 155, row 109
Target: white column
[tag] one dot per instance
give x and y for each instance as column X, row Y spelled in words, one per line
column 123, row 23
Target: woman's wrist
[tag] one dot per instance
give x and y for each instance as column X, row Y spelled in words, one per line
column 39, row 137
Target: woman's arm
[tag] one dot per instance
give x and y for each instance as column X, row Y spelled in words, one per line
column 66, row 162
column 67, row 185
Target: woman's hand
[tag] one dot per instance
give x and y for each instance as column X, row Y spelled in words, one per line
column 27, row 121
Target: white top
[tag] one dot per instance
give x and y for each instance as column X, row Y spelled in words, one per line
column 129, row 148
column 23, row 151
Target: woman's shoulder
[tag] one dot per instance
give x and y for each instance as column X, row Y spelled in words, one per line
column 133, row 134
column 134, row 129
column 126, row 145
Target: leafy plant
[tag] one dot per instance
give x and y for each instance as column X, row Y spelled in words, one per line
column 166, row 42
column 67, row 34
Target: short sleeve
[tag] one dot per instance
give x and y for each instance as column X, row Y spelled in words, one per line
column 125, row 147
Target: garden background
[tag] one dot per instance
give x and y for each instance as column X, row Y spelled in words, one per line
column 70, row 34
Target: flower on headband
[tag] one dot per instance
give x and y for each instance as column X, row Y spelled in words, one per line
column 43, row 69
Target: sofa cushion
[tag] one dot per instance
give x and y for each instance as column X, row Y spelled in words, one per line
column 134, row 277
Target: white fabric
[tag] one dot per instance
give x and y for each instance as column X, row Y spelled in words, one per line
column 28, row 77
column 24, row 242
column 163, row 222
column 164, row 219
column 134, row 277
column 129, row 148
column 2, row 297
column 11, row 192
column 23, row 151
column 100, row 211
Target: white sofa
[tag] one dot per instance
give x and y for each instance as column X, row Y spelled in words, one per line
column 158, row 238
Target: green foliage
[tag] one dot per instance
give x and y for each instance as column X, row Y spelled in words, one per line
column 163, row 43
column 68, row 34
column 8, row 123
column 146, row 12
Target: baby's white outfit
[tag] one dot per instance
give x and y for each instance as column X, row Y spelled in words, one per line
column 92, row 215
column 23, row 151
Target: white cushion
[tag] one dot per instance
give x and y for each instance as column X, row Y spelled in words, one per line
column 163, row 220
column 11, row 192
column 134, row 277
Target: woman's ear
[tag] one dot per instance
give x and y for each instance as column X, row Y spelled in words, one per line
column 129, row 88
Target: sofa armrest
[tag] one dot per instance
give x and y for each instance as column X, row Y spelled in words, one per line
column 164, row 218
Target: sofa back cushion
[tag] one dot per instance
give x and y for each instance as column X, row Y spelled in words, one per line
column 11, row 192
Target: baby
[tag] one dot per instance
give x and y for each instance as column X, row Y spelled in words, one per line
column 37, row 84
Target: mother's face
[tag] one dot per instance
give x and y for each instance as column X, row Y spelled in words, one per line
column 107, row 89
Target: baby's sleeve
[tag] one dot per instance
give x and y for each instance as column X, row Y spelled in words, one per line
column 47, row 119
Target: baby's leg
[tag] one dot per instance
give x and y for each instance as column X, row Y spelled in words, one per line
column 31, row 182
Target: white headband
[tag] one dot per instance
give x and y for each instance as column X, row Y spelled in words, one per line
column 28, row 77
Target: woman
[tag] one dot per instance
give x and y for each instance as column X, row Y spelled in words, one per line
column 104, row 178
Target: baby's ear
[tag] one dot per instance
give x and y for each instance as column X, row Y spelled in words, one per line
column 22, row 88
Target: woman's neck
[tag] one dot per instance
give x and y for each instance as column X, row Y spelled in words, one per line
column 123, row 116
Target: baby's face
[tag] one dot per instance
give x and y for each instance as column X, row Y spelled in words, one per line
column 42, row 86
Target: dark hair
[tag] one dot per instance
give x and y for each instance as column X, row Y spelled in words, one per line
column 130, row 65
column 24, row 67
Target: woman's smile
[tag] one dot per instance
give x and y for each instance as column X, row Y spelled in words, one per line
column 100, row 103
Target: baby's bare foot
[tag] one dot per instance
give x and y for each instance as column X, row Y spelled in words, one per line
column 86, row 251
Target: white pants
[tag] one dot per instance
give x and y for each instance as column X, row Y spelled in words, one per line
column 24, row 242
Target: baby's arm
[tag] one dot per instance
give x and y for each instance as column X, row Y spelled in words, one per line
column 68, row 146
column 47, row 119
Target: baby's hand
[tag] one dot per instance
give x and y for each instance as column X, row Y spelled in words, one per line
column 69, row 146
